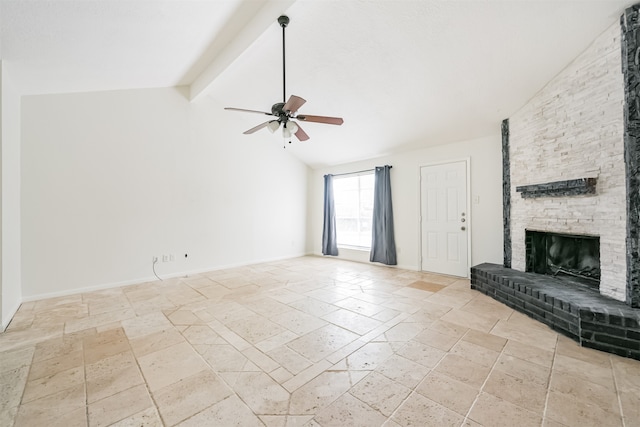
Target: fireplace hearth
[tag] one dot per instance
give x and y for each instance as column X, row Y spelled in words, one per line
column 574, row 258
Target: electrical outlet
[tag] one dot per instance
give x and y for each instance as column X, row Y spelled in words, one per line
column 171, row 258
column 165, row 258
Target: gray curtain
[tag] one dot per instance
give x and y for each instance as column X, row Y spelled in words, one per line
column 383, row 243
column 329, row 244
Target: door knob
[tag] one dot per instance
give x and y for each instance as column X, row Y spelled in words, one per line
column 463, row 228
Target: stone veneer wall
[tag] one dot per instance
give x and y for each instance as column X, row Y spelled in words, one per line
column 573, row 128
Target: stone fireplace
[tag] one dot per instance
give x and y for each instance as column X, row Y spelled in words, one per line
column 571, row 187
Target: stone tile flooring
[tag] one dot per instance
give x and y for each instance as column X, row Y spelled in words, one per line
column 302, row 342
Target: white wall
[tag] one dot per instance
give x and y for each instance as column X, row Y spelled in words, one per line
column 110, row 179
column 11, row 280
column 486, row 184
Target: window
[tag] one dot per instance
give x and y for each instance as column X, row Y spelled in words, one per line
column 353, row 197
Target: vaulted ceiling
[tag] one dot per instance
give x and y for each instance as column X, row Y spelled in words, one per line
column 403, row 74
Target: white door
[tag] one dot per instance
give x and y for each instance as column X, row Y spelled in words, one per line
column 444, row 218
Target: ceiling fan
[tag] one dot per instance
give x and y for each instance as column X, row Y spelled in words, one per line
column 285, row 111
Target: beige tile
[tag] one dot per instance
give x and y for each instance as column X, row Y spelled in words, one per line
column 289, row 359
column 112, row 375
column 568, row 347
column 403, row 331
column 436, row 339
column 526, row 394
column 491, row 342
column 261, row 393
column 202, row 334
column 75, row 418
column 181, row 400
column 119, row 406
column 630, row 407
column 222, row 358
column 170, row 365
column 349, row 411
column 17, row 358
column 359, row 306
column 448, row 392
column 449, row 328
column 352, row 321
column 526, row 331
column 56, row 348
column 529, row 353
column 627, row 374
column 403, row 370
column 598, row 374
column 42, row 411
column 426, row 286
column 418, row 410
column 46, row 386
column 319, row 392
column 146, row 418
column 420, row 353
column 56, row 364
column 429, row 312
column 380, row 393
column 369, row 356
column 255, row 328
column 493, row 411
column 475, row 353
column 145, row 325
column 230, row 412
column 463, row 370
column 572, row 410
column 479, row 322
column 105, row 344
column 298, row 322
column 596, row 394
column 8, row 414
column 316, row 345
column 13, row 385
column 484, row 305
column 305, row 376
column 527, row 371
column 276, row 341
column 313, row 307
column 145, row 344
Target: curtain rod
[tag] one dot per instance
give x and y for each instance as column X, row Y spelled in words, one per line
column 353, row 173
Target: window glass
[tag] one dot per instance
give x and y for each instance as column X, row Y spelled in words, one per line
column 353, row 196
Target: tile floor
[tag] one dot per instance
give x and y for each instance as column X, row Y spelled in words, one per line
column 303, row 342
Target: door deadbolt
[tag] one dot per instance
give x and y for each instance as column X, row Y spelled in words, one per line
column 462, row 220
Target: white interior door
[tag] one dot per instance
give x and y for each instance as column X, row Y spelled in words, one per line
column 444, row 218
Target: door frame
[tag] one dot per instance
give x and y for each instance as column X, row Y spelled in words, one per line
column 467, row 162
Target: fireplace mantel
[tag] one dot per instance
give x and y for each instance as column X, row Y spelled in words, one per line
column 570, row 187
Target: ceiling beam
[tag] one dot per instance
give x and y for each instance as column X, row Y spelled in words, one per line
column 249, row 22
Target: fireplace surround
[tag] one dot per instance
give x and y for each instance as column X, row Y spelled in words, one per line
column 571, row 166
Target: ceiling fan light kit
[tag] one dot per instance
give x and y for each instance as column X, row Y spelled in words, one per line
column 286, row 110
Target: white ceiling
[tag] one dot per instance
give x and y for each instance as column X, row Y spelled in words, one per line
column 403, row 74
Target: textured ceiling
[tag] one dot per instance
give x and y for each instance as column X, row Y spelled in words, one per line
column 403, row 74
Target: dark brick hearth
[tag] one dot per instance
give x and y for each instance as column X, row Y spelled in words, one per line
column 573, row 310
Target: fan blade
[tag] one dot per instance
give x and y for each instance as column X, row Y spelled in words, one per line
column 293, row 104
column 321, row 119
column 247, row 111
column 301, row 135
column 257, row 128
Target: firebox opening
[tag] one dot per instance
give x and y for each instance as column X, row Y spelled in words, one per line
column 566, row 256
